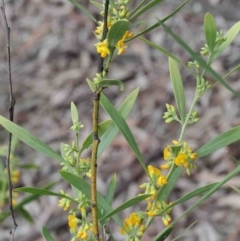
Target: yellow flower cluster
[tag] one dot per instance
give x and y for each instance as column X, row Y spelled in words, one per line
column 184, row 157
column 133, row 227
column 156, row 208
column 83, row 232
column 103, row 49
column 15, row 176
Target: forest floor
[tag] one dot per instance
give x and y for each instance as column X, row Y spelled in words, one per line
column 53, row 54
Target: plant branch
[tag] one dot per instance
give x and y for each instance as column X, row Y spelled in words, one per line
column 96, row 139
column 11, row 115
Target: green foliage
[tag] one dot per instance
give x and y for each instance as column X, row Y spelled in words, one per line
column 29, row 139
column 177, row 87
column 46, row 234
column 220, row 141
column 210, row 31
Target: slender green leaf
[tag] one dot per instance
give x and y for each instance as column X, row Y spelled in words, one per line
column 199, row 60
column 110, row 82
column 210, row 31
column 96, row 4
column 124, row 110
column 197, row 192
column 184, row 231
column 144, row 9
column 220, row 141
column 28, row 166
column 164, row 51
column 111, row 189
column 83, row 9
column 177, row 87
column 230, row 35
column 46, row 234
column 41, row 191
column 235, row 189
column 74, row 113
column 232, row 71
column 121, row 124
column 128, row 204
column 85, row 188
column 164, row 234
column 23, row 202
column 29, row 139
column 209, row 193
column 25, row 214
column 102, row 128
column 123, row 127
column 172, row 179
column 159, row 23
column 116, row 32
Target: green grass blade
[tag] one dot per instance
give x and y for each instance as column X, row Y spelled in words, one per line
column 159, row 23
column 46, row 234
column 127, row 204
column 210, row 31
column 178, row 89
column 29, row 139
column 199, row 60
column 220, row 141
column 83, row 9
column 230, row 35
column 85, row 188
column 164, row 51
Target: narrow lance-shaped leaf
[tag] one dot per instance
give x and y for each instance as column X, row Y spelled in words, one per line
column 230, row 35
column 159, row 23
column 210, row 31
column 83, row 9
column 29, row 139
column 177, row 87
column 145, row 8
column 85, row 188
column 111, row 189
column 199, row 60
column 220, row 141
column 46, row 234
column 74, row 112
column 121, row 124
column 41, row 192
column 124, row 110
column 128, row 204
column 162, row 50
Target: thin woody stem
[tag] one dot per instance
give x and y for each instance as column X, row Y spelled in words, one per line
column 11, row 115
column 95, row 145
column 96, row 139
